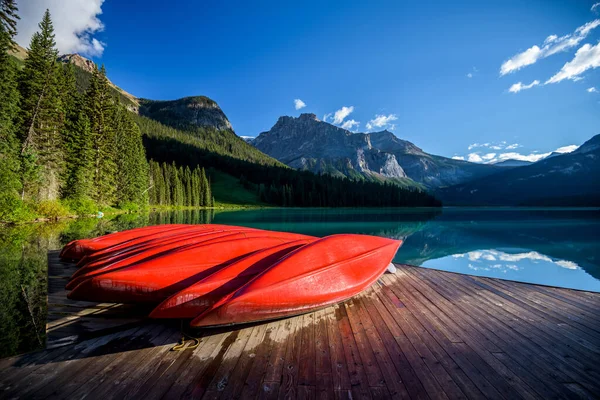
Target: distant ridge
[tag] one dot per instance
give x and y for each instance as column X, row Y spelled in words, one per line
column 307, row 143
column 570, row 179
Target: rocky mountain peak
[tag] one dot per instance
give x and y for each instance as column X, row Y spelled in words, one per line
column 188, row 112
column 79, row 61
column 305, row 142
column 308, row 116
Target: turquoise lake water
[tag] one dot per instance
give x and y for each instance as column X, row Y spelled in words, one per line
column 557, row 247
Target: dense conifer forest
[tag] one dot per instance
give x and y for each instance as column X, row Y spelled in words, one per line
column 69, row 144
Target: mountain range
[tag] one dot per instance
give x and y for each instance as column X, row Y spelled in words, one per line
column 309, row 144
column 571, row 179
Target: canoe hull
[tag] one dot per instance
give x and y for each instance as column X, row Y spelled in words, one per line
column 317, row 275
column 142, row 253
column 197, row 298
column 155, row 279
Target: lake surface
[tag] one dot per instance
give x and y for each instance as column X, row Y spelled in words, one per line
column 558, row 247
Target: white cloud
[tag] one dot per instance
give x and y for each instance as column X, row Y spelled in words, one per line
column 341, row 114
column 587, row 57
column 567, row 149
column 382, row 121
column 532, row 157
column 350, row 124
column 480, row 256
column 475, row 145
column 75, row 22
column 595, row 7
column 552, row 45
column 517, row 87
column 469, row 75
column 591, row 90
column 491, row 158
column 474, row 157
column 327, row 116
column 528, row 57
column 298, row 104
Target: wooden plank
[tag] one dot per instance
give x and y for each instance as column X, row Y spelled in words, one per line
column 245, row 363
column 520, row 321
column 433, row 377
column 231, row 358
column 468, row 361
column 276, row 362
column 261, row 359
column 475, row 333
column 289, row 381
column 201, row 360
column 307, row 363
column 372, row 369
column 522, row 361
column 324, row 377
column 339, row 365
column 358, row 378
column 397, row 373
column 422, row 340
column 550, row 331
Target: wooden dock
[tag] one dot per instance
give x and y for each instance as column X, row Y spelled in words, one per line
column 419, row 333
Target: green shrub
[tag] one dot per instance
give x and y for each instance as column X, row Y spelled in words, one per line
column 52, row 209
column 12, row 209
column 82, row 207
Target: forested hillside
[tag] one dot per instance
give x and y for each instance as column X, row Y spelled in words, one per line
column 72, row 143
column 65, row 152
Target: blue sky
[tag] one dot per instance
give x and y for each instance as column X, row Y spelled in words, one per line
column 431, row 70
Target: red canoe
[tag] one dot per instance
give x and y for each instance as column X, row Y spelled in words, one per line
column 165, row 247
column 167, row 242
column 76, row 249
column 156, row 278
column 197, row 298
column 149, row 239
column 317, row 275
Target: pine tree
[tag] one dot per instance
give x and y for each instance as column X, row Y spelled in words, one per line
column 100, row 111
column 76, row 141
column 207, row 195
column 78, row 157
column 10, row 183
column 41, row 115
column 132, row 168
column 8, row 18
column 187, row 175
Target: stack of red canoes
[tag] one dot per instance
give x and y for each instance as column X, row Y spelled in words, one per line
column 221, row 275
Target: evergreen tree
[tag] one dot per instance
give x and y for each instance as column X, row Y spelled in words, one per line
column 100, row 111
column 8, row 18
column 132, row 167
column 78, row 157
column 41, row 115
column 10, row 184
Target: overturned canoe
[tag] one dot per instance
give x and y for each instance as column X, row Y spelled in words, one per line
column 319, row 274
column 154, row 279
column 162, row 247
column 197, row 298
column 76, row 249
column 136, row 254
column 169, row 231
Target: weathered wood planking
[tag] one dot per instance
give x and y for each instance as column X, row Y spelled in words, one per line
column 419, row 333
